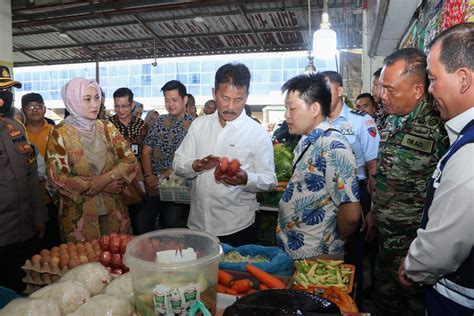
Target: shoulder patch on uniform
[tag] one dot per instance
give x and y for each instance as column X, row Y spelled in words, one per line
column 358, row 112
column 372, row 131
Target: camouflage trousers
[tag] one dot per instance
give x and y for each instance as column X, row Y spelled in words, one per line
column 390, row 297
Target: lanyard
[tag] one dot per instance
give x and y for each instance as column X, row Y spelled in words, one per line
column 300, row 156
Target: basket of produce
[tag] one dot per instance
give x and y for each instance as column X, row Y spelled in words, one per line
column 175, row 189
column 270, row 259
column 316, row 276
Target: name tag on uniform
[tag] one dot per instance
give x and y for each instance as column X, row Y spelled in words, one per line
column 417, row 143
column 347, row 131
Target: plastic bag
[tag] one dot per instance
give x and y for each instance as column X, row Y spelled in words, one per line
column 69, row 295
column 280, row 262
column 94, row 276
column 121, row 287
column 104, row 305
column 31, row 307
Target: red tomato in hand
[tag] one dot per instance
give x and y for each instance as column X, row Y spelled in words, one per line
column 234, row 166
column 223, row 164
column 218, row 174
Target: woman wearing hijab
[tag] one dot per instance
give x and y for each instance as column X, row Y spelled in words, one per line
column 151, row 117
column 88, row 162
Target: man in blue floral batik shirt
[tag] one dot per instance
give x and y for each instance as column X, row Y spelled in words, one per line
column 320, row 205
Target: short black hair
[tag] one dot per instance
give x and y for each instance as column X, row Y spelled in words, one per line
column 415, row 62
column 175, row 85
column 457, row 47
column 365, row 95
column 333, row 76
column 237, row 75
column 377, row 72
column 123, row 92
column 312, row 88
column 209, row 102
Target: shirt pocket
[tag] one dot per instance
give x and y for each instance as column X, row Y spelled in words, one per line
column 242, row 154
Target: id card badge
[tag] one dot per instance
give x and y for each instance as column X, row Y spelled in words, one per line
column 135, row 149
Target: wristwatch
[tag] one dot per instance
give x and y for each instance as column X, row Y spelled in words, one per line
column 111, row 175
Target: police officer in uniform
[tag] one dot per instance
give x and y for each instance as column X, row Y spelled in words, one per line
column 360, row 130
column 22, row 213
column 411, row 144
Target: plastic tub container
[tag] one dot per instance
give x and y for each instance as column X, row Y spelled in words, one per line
column 173, row 288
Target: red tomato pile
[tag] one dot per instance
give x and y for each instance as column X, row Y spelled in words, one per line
column 226, row 167
column 113, row 247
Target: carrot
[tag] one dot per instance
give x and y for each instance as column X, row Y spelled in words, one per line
column 262, row 286
column 231, row 292
column 225, row 278
column 264, row 277
column 222, row 289
column 242, row 286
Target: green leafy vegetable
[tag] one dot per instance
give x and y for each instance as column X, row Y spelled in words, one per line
column 283, row 162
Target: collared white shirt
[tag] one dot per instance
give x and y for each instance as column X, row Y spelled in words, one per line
column 361, row 132
column 218, row 208
column 448, row 238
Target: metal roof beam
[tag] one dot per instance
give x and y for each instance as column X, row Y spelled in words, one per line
column 31, row 56
column 242, row 12
column 153, row 32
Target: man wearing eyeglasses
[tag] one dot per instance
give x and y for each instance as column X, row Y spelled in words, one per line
column 37, row 126
column 38, row 130
column 134, row 130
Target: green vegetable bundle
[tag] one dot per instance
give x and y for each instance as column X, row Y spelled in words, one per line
column 322, row 273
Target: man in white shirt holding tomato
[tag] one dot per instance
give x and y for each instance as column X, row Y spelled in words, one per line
column 226, row 207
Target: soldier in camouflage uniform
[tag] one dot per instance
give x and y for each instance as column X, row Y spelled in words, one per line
column 410, row 146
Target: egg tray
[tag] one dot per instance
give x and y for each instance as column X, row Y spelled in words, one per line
column 42, row 274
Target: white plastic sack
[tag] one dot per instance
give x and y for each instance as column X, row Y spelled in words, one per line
column 104, row 305
column 94, row 276
column 121, row 287
column 69, row 295
column 31, row 307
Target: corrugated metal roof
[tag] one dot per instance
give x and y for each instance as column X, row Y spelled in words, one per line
column 68, row 31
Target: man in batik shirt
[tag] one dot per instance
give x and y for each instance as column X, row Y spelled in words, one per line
column 158, row 152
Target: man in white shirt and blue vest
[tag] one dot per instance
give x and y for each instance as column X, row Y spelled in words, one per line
column 441, row 257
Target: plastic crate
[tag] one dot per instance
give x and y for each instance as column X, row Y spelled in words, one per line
column 178, row 194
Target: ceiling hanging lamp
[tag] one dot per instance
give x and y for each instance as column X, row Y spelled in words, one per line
column 310, row 67
column 324, row 39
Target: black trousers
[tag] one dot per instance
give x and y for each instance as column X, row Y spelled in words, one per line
column 355, row 245
column 246, row 236
column 13, row 257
